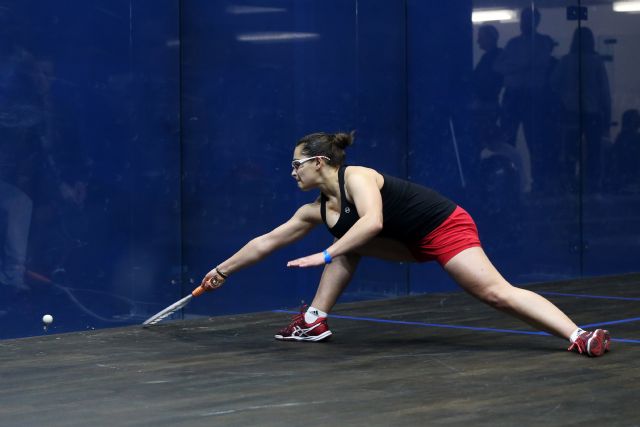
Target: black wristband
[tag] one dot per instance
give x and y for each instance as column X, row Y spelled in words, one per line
column 224, row 276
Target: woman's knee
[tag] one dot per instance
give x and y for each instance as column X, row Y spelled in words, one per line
column 498, row 296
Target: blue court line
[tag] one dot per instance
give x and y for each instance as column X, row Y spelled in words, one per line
column 613, row 322
column 586, row 296
column 439, row 325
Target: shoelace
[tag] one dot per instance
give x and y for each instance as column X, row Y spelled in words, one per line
column 581, row 342
column 295, row 321
column 576, row 345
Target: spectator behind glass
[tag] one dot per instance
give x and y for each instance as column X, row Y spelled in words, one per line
column 23, row 119
column 626, row 154
column 580, row 79
column 487, row 84
column 525, row 64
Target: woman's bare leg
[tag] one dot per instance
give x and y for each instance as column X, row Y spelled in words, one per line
column 337, row 275
column 335, row 278
column 473, row 271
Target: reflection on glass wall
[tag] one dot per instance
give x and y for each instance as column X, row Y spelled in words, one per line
column 24, row 127
column 88, row 136
column 524, row 193
column 585, row 108
column 611, row 205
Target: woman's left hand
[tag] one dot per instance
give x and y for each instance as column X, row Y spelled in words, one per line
column 308, row 261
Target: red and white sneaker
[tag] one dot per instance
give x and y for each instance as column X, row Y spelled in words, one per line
column 299, row 330
column 593, row 344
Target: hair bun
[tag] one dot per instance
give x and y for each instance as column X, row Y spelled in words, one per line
column 343, row 140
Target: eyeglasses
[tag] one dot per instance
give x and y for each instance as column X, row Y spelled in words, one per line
column 297, row 163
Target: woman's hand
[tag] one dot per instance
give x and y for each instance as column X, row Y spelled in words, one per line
column 213, row 280
column 308, row 261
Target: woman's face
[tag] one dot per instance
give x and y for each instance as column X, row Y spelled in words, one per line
column 305, row 173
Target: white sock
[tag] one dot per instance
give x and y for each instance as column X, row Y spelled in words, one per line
column 312, row 314
column 575, row 334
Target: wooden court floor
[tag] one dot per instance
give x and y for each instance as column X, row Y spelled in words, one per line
column 438, row 359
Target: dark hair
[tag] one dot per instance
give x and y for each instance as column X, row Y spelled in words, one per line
column 331, row 145
column 583, row 40
column 530, row 15
column 490, row 31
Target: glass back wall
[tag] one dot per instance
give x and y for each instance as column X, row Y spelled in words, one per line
column 553, row 107
column 609, row 137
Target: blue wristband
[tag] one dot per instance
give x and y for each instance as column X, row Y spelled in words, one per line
column 327, row 257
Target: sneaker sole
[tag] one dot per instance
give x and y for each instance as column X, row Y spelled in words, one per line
column 598, row 344
column 315, row 338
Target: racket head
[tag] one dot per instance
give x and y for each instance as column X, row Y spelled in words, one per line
column 167, row 311
column 174, row 307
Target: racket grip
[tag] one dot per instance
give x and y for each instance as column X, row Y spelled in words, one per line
column 198, row 291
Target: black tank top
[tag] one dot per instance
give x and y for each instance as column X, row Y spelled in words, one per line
column 410, row 211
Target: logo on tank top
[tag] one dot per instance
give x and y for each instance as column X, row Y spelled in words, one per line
column 347, row 210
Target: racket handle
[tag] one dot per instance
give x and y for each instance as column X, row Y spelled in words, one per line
column 198, row 291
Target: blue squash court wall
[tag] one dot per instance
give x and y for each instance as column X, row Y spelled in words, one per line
column 145, row 141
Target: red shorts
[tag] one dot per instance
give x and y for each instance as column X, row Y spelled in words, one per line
column 457, row 233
